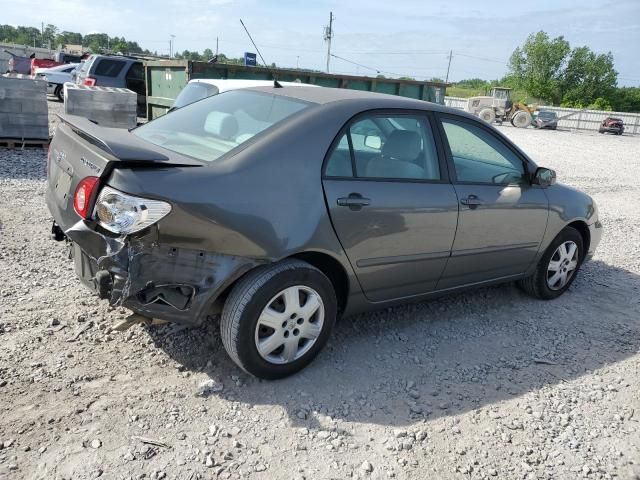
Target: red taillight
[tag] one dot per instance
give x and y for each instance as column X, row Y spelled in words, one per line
column 90, row 82
column 83, row 195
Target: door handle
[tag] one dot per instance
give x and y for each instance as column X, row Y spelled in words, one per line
column 472, row 201
column 354, row 201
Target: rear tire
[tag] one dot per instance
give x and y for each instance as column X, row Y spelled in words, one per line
column 266, row 326
column 488, row 115
column 543, row 284
column 59, row 93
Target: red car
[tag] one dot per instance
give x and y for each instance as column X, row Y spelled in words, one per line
column 612, row 125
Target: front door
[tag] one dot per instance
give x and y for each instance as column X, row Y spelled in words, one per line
column 391, row 204
column 503, row 216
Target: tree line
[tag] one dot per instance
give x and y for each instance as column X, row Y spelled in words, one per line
column 549, row 71
column 51, row 36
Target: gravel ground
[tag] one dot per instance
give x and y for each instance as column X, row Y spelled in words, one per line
column 488, row 384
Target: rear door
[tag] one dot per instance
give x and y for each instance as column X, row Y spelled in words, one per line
column 503, row 217
column 391, row 203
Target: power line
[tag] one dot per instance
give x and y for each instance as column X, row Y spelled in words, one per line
column 368, row 68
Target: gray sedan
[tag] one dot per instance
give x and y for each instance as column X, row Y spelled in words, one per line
column 285, row 208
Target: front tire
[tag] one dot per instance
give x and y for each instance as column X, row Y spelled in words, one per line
column 521, row 119
column 59, row 93
column 278, row 318
column 557, row 268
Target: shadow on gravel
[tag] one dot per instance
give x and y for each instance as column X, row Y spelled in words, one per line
column 443, row 357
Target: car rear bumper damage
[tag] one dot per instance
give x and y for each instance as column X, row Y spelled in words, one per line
column 153, row 280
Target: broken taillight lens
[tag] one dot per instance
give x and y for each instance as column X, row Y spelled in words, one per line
column 83, row 194
column 122, row 213
column 90, row 82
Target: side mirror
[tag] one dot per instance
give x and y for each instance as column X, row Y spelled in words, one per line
column 544, row 177
column 373, row 141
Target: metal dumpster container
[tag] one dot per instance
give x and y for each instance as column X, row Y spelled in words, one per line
column 165, row 79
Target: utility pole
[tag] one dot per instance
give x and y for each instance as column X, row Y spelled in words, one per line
column 171, row 45
column 216, row 46
column 449, row 66
column 297, row 61
column 41, row 34
column 328, row 35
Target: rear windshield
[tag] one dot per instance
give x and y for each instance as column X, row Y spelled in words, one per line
column 194, row 92
column 208, row 129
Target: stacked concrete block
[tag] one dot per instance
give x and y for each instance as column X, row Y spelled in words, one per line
column 23, row 108
column 107, row 106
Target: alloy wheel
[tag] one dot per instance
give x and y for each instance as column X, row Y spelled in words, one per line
column 289, row 324
column 562, row 265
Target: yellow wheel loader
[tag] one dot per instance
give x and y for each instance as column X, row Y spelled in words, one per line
column 498, row 107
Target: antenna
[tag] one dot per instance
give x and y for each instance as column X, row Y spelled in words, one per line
column 275, row 80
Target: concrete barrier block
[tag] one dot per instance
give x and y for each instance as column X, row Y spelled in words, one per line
column 107, row 106
column 23, row 108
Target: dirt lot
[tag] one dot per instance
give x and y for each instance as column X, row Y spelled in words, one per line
column 489, row 384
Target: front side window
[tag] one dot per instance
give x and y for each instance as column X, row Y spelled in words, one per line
column 480, row 157
column 386, row 147
column 208, row 129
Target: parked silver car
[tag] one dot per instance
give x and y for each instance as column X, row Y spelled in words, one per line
column 284, row 208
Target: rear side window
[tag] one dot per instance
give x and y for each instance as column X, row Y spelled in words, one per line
column 136, row 72
column 108, row 68
column 386, row 147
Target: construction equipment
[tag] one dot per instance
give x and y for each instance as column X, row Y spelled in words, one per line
column 499, row 107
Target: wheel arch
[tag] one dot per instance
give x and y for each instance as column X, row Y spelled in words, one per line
column 333, row 269
column 583, row 229
column 327, row 264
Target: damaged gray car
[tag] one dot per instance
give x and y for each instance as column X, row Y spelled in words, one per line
column 285, row 208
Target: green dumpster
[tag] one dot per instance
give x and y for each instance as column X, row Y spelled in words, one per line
column 165, row 79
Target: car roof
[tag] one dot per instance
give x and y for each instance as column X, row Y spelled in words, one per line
column 224, row 85
column 122, row 58
column 362, row 99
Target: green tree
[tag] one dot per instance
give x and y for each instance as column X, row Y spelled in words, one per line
column 600, row 104
column 626, row 99
column 538, row 66
column 588, row 76
column 207, row 54
column 49, row 35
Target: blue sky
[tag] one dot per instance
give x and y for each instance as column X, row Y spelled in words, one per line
column 407, row 37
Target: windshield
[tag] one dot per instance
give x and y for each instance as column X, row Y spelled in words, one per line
column 208, row 129
column 547, row 114
column 193, row 92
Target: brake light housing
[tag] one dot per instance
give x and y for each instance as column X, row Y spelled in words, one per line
column 84, row 194
column 90, row 82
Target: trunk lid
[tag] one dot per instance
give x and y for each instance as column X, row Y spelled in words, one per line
column 82, row 149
